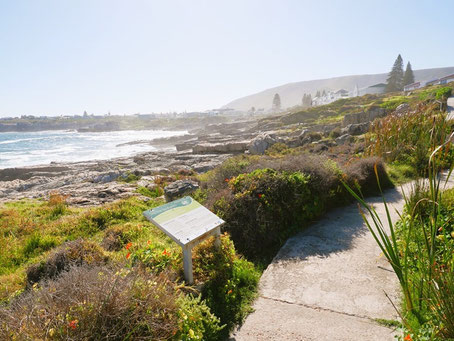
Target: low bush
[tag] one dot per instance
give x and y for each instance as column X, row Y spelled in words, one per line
column 94, row 303
column 196, row 321
column 76, row 253
column 278, row 196
column 393, row 102
column 265, row 207
column 363, row 173
column 230, row 282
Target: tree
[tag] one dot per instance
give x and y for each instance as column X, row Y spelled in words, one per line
column 409, row 77
column 323, row 93
column 276, row 102
column 307, row 100
column 318, row 93
column 396, row 76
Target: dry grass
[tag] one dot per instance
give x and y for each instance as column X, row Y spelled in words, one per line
column 97, row 303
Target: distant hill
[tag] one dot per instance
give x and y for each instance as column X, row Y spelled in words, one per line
column 292, row 93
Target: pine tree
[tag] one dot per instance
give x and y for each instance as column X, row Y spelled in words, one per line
column 307, row 100
column 323, row 93
column 409, row 77
column 318, row 93
column 276, row 102
column 396, row 76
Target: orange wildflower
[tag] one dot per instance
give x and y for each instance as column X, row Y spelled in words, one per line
column 166, row 253
column 408, row 338
column 229, row 292
column 128, row 255
column 73, row 324
column 128, row 246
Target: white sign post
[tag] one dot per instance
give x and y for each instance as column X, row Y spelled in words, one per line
column 188, row 223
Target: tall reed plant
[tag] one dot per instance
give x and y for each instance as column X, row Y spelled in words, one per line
column 420, row 258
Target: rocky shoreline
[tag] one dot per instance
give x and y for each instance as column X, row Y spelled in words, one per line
column 100, row 181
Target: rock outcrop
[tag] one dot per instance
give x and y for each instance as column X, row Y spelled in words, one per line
column 228, row 147
column 363, row 116
column 356, row 129
column 261, row 143
column 179, row 189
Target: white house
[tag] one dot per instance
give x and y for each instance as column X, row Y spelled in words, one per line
column 412, row 86
column 447, row 79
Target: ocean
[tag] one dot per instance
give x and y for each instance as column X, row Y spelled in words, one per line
column 38, row 148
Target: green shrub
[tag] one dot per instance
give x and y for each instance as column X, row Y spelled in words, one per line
column 196, row 321
column 57, row 204
column 157, row 192
column 400, row 173
column 230, row 283
column 36, row 244
column 129, row 178
column 443, row 93
column 265, row 208
column 393, row 102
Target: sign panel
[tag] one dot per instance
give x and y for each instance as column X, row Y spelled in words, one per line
column 184, row 220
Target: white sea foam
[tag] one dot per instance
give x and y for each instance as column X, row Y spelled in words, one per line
column 26, row 149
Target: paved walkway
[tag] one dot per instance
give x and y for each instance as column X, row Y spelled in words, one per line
column 450, row 108
column 328, row 283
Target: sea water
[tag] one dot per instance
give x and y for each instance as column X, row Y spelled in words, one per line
column 37, row 148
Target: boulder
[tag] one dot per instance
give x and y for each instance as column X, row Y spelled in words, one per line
column 304, row 134
column 147, row 182
column 402, row 109
column 261, row 143
column 106, row 177
column 346, row 138
column 356, row 129
column 179, row 189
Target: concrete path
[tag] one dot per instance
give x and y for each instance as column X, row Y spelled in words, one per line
column 328, row 283
column 450, row 108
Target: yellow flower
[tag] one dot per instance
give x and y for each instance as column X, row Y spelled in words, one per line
column 51, row 332
column 191, row 333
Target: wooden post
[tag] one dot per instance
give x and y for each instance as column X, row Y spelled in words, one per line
column 217, row 236
column 187, row 263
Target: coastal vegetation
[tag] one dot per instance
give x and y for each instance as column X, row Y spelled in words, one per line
column 420, row 246
column 105, row 272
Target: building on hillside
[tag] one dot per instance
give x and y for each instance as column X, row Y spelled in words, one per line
column 342, row 93
column 446, row 79
column 432, row 82
column 412, row 86
column 330, row 96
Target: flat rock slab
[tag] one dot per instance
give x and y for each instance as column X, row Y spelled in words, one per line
column 328, row 283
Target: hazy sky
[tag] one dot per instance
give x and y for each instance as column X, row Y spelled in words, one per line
column 129, row 56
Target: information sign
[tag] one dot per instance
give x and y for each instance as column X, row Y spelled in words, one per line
column 188, row 223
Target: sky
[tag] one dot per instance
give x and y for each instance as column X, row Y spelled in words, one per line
column 60, row 57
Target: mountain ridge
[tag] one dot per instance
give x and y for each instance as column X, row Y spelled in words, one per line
column 292, row 93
